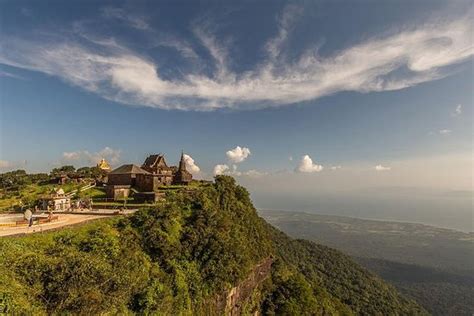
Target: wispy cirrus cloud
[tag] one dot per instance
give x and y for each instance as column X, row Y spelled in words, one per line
column 10, row 75
column 404, row 59
column 133, row 20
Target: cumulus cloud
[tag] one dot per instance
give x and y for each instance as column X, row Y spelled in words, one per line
column 220, row 169
column 110, row 154
column 395, row 61
column 233, row 171
column 382, row 168
column 191, row 165
column 306, row 165
column 238, row 154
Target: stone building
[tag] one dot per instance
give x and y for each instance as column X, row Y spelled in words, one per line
column 156, row 165
column 148, row 178
column 121, row 180
column 125, row 175
column 181, row 175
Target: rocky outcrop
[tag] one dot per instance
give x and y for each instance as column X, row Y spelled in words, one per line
column 232, row 301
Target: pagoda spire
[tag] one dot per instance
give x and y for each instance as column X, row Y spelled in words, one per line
column 182, row 163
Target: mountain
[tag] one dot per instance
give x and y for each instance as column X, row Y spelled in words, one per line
column 203, row 252
column 428, row 264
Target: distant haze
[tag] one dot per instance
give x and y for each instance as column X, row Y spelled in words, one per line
column 433, row 191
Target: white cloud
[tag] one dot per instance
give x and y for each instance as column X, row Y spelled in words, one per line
column 238, row 154
column 336, row 167
column 306, row 165
column 220, row 169
column 233, row 171
column 125, row 16
column 4, row 164
column 183, row 47
column 73, row 155
column 382, row 168
column 191, row 165
column 457, row 110
column 119, row 74
column 10, row 75
column 84, row 156
column 444, row 131
column 285, row 22
column 290, row 158
column 252, row 173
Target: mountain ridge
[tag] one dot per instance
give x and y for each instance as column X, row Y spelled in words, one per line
column 179, row 257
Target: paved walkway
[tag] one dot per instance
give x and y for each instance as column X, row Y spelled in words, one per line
column 64, row 220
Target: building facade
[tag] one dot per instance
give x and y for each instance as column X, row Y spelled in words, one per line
column 56, row 201
column 153, row 174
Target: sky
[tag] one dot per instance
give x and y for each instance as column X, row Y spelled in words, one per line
column 299, row 99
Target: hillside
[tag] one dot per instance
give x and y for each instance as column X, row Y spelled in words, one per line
column 206, row 252
column 431, row 265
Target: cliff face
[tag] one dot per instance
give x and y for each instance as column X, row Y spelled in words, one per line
column 202, row 254
column 231, row 302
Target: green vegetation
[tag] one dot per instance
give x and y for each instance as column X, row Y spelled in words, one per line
column 181, row 258
column 19, row 189
column 28, row 194
column 439, row 291
column 428, row 264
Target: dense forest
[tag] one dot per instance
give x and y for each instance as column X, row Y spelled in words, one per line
column 428, row 264
column 181, row 258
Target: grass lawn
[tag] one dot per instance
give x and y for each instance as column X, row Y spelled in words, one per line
column 31, row 193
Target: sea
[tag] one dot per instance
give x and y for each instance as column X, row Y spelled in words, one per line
column 453, row 210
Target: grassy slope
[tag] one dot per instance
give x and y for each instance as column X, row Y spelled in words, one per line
column 174, row 258
column 32, row 192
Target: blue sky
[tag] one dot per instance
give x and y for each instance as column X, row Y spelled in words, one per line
column 309, row 89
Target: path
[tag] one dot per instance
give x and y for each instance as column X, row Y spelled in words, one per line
column 64, row 220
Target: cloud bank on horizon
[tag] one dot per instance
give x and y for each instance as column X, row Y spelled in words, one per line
column 115, row 72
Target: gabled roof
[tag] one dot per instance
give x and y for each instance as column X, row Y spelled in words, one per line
column 155, row 160
column 128, row 169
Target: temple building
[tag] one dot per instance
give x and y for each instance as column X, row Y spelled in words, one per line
column 182, row 176
column 104, row 165
column 156, row 165
column 121, row 180
column 153, row 174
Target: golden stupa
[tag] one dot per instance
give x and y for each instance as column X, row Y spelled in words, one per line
column 104, row 165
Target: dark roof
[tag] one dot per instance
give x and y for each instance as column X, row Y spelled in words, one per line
column 127, row 169
column 152, row 160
